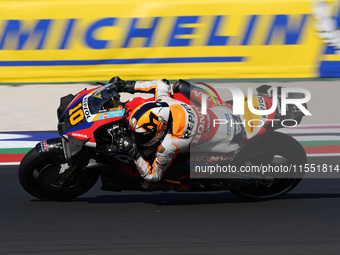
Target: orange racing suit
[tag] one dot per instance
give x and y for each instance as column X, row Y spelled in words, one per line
column 190, row 129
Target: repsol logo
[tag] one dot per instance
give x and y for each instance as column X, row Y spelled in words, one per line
column 190, row 121
column 203, row 125
column 178, row 31
column 262, row 105
column 86, row 108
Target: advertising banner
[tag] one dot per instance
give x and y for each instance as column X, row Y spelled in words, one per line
column 76, row 41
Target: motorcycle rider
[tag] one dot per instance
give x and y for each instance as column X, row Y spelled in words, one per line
column 173, row 126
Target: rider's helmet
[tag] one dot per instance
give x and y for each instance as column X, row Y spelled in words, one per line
column 149, row 122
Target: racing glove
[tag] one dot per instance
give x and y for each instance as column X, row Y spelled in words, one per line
column 123, row 86
column 129, row 146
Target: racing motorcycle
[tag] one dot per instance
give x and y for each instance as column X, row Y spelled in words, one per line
column 90, row 122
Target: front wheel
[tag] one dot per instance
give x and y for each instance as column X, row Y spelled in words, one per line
column 274, row 149
column 49, row 177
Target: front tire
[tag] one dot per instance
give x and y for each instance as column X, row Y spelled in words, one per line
column 265, row 151
column 40, row 175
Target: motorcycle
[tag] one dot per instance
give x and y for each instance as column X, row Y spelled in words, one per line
column 90, row 122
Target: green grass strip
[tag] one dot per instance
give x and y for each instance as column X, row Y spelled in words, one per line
column 15, row 151
column 318, row 143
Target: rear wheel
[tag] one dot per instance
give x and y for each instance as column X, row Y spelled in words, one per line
column 280, row 151
column 49, row 177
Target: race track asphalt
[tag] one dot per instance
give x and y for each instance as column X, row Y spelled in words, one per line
column 305, row 221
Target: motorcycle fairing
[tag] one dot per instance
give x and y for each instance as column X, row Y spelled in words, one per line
column 88, row 111
column 256, row 124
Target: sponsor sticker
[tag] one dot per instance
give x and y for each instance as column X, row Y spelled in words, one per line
column 79, row 135
column 227, row 116
column 133, row 123
column 44, row 146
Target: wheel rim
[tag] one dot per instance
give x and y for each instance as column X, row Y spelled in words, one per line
column 46, row 176
column 50, row 179
column 269, row 185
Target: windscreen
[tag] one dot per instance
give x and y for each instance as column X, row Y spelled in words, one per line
column 104, row 99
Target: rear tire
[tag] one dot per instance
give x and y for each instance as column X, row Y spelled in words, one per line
column 39, row 176
column 263, row 152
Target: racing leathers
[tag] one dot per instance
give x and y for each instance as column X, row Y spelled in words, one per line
column 189, row 128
